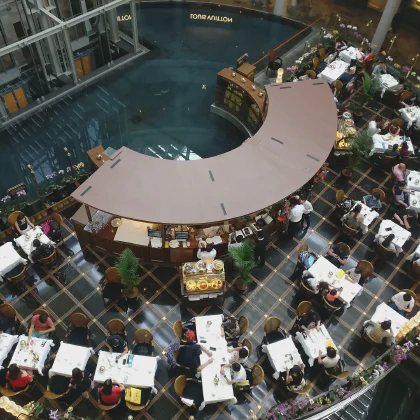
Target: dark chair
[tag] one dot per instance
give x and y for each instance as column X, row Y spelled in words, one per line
column 112, row 287
column 146, row 396
column 272, row 331
column 331, row 306
column 17, row 276
column 49, row 260
column 381, row 193
column 384, row 253
column 143, row 342
column 350, row 232
column 78, row 332
column 387, row 162
column 415, row 271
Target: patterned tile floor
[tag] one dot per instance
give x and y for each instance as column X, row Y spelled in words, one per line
column 74, row 286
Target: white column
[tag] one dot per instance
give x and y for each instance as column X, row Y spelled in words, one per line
column 134, row 25
column 385, row 23
column 111, row 15
column 279, row 7
column 88, row 26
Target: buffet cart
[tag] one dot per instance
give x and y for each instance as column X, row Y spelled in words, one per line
column 202, row 284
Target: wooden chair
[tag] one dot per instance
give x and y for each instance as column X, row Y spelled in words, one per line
column 311, row 74
column 366, row 268
column 302, row 391
column 405, row 94
column 322, row 53
column 243, row 324
column 9, row 392
column 52, row 395
column 271, row 324
column 8, row 311
column 57, row 218
column 381, row 193
column 306, row 290
column 415, row 271
column 339, row 197
column 179, row 385
column 177, row 327
column 78, row 320
column 315, row 63
column 247, row 343
column 257, row 373
column 19, row 277
column 347, row 230
column 115, row 326
column 342, row 375
column 384, row 253
column 104, row 407
column 112, row 276
column 338, row 84
column 50, row 260
column 303, row 308
column 329, row 307
column 299, row 265
column 143, row 335
column 12, row 218
column 411, row 293
column 41, row 311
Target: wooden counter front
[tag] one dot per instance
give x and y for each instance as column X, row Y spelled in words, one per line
column 92, row 156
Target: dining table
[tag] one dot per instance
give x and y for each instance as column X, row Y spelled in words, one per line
column 385, row 313
column 410, row 114
column 413, row 181
column 282, row 355
column 414, row 201
column 32, row 355
column 401, row 235
column 215, row 387
column 350, row 53
column 131, row 370
column 9, row 259
column 382, row 143
column 387, row 82
column 26, row 240
column 368, row 214
column 68, row 357
column 334, row 70
column 324, row 270
column 7, row 341
column 314, row 341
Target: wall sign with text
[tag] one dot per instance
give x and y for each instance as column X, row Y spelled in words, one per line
column 125, row 17
column 194, row 16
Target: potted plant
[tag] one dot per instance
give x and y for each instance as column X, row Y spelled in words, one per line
column 244, row 260
column 370, row 85
column 127, row 266
column 361, row 145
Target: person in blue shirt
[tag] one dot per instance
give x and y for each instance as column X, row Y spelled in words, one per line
column 373, row 200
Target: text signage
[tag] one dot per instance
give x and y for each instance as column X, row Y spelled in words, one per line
column 125, row 17
column 194, row 16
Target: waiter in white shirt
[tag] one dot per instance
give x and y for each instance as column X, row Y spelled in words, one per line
column 373, row 127
column 207, row 254
column 295, row 216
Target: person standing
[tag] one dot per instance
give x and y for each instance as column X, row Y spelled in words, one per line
column 207, row 254
column 295, row 216
column 259, row 250
column 373, row 127
column 306, row 217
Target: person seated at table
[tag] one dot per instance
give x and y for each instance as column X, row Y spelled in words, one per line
column 332, row 297
column 354, row 219
column 354, row 274
column 337, row 254
column 373, row 200
column 41, row 326
column 408, row 102
column 59, row 384
column 295, row 378
column 373, row 127
column 402, row 302
column 231, row 330
column 237, row 373
column 189, row 357
column 41, row 250
column 400, row 172
column 18, row 378
column 109, row 393
column 347, row 76
column 397, row 89
column 403, row 215
column 394, row 129
column 340, row 44
column 379, row 69
column 378, row 332
column 401, row 195
column 386, row 242
column 116, row 344
column 309, row 321
column 368, row 58
column 80, row 380
column 404, row 152
column 239, row 354
column 23, row 224
column 330, row 361
column 312, row 283
column 192, row 393
column 207, row 254
column 392, row 152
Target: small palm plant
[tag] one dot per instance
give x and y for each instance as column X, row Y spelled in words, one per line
column 244, row 260
column 128, row 266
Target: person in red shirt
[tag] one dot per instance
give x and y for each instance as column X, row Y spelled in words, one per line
column 41, row 326
column 369, row 56
column 110, row 394
column 18, row 378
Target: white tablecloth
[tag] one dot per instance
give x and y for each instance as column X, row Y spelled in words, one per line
column 9, row 259
column 349, row 54
column 211, row 334
column 384, row 313
column 401, row 234
column 415, row 255
column 6, row 343
column 410, row 114
column 69, row 357
column 381, row 143
column 282, row 355
column 334, row 70
column 414, row 201
column 387, row 82
column 25, row 241
column 314, row 342
column 321, row 270
column 369, row 215
column 24, row 356
column 141, row 374
column 413, row 181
